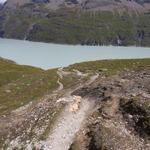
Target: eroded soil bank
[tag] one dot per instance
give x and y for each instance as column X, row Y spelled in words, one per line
column 121, row 120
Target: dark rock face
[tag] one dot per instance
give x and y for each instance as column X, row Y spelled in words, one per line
column 40, row 1
column 140, row 116
column 142, row 1
column 72, row 1
column 2, row 34
column 2, row 6
column 2, row 18
column 85, row 4
column 97, row 92
column 88, row 4
column 140, row 35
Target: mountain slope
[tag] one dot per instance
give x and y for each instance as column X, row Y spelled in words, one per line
column 97, row 22
column 133, row 5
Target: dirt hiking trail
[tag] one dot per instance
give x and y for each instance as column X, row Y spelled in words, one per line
column 68, row 124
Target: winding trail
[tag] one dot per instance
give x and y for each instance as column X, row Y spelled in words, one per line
column 92, row 79
column 61, row 86
column 60, row 77
column 66, row 127
column 68, row 123
column 78, row 73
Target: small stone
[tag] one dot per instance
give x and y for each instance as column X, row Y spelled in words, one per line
column 8, row 91
column 130, row 116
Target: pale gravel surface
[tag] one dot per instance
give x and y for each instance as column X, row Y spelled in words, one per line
column 61, row 86
column 68, row 123
column 66, row 127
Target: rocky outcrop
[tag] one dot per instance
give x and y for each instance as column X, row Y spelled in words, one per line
column 121, row 119
column 2, row 34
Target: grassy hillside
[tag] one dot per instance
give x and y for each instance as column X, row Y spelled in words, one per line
column 22, row 84
column 111, row 67
column 77, row 27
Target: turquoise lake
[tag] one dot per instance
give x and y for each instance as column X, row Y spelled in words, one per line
column 46, row 56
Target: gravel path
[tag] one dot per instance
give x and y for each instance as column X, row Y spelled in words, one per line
column 68, row 123
column 66, row 127
column 61, row 86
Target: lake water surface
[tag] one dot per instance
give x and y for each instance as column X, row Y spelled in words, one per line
column 47, row 56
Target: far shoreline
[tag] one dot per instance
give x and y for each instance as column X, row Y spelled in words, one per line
column 64, row 44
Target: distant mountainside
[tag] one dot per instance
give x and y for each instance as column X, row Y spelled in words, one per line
column 90, row 22
column 136, row 5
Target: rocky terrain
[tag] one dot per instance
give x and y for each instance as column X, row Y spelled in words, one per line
column 86, row 106
column 85, row 22
column 121, row 119
column 133, row 5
